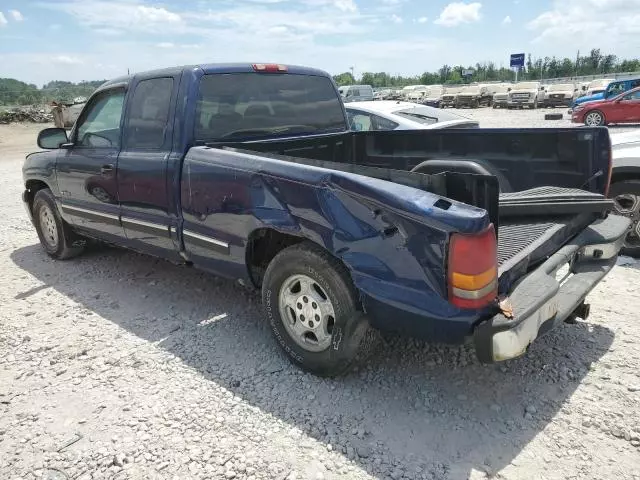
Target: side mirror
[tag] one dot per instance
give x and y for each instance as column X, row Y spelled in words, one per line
column 52, row 138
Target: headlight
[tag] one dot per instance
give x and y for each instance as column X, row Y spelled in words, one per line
column 577, row 108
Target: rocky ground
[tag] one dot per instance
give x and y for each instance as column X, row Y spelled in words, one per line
column 120, row 366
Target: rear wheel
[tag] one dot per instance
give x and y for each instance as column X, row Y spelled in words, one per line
column 56, row 236
column 314, row 311
column 594, row 119
column 626, row 197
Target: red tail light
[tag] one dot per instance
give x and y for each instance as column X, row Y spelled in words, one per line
column 473, row 269
column 269, row 67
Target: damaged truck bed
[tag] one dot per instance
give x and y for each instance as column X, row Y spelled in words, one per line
column 250, row 171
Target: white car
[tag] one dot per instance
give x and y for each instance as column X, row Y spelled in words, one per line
column 395, row 115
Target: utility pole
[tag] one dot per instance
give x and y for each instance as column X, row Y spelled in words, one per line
column 577, row 63
column 352, row 74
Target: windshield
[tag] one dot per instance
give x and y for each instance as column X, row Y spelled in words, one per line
column 599, row 84
column 526, row 86
column 501, row 89
column 561, row 87
column 435, row 91
column 426, row 115
column 471, row 90
column 249, row 105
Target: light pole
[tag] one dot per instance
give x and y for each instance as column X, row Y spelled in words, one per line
column 352, row 74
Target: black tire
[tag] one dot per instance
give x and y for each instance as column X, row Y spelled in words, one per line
column 628, row 188
column 57, row 238
column 352, row 339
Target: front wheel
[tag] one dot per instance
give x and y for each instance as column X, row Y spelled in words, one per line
column 594, row 119
column 56, row 236
column 626, row 197
column 314, row 311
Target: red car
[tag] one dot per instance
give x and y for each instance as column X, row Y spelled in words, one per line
column 625, row 108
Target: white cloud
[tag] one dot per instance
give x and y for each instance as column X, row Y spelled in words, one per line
column 165, row 45
column 17, row 16
column 345, row 5
column 457, row 13
column 66, row 60
column 506, row 20
column 423, row 20
column 396, row 19
column 3, row 20
column 576, row 24
column 128, row 15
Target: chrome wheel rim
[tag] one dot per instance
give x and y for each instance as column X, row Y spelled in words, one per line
column 307, row 312
column 49, row 227
column 594, row 119
column 628, row 204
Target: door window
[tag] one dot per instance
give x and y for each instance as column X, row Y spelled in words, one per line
column 99, row 127
column 149, row 114
column 632, row 96
column 365, row 122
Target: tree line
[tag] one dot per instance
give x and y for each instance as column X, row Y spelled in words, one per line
column 596, row 63
column 15, row 92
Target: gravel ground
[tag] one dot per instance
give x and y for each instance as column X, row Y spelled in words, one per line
column 116, row 365
column 501, row 118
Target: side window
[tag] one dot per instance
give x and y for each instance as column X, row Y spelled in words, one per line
column 100, row 124
column 381, row 123
column 633, row 96
column 149, row 114
column 359, row 121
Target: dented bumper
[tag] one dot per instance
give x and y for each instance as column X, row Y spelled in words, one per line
column 552, row 292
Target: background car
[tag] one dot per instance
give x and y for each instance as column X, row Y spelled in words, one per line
column 391, row 115
column 624, row 108
column 612, row 90
column 625, row 184
column 356, row 93
column 560, row 94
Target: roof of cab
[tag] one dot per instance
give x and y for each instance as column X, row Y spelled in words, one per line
column 210, row 68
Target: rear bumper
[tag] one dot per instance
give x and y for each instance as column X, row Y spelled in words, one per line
column 542, row 300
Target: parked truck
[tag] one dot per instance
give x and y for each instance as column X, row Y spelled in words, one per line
column 250, row 171
column 526, row 94
column 474, row 96
column 560, row 94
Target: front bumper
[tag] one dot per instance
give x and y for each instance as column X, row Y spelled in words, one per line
column 546, row 297
column 558, row 102
column 27, row 205
column 512, row 102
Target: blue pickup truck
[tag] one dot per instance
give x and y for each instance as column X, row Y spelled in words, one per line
column 250, row 171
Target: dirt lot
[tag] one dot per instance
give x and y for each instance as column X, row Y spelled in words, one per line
column 117, row 365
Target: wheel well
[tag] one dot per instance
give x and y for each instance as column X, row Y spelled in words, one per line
column 33, row 186
column 620, row 176
column 263, row 245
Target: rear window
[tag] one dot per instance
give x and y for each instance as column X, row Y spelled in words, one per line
column 250, row 105
column 426, row 115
